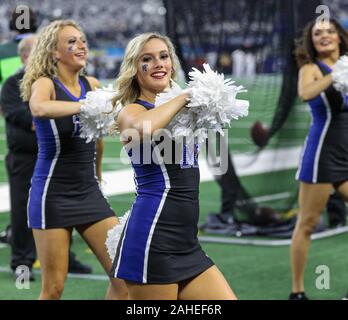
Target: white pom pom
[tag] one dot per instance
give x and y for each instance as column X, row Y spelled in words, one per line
column 182, row 124
column 212, row 104
column 214, row 99
column 114, row 235
column 168, row 94
column 97, row 114
column 340, row 74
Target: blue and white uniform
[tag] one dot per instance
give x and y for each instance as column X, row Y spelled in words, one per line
column 159, row 242
column 325, row 154
column 65, row 191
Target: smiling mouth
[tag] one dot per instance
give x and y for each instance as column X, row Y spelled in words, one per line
column 81, row 55
column 158, row 75
column 325, row 42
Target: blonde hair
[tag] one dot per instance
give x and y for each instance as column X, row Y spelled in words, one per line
column 127, row 87
column 41, row 61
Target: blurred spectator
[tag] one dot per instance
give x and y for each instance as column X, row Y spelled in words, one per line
column 250, row 64
column 23, row 22
column 238, row 62
column 225, row 63
column 112, row 23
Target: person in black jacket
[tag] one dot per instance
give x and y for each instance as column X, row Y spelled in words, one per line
column 20, row 162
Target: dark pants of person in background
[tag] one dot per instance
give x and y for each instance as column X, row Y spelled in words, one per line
column 20, row 167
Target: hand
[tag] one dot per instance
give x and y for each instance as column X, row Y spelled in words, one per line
column 188, row 93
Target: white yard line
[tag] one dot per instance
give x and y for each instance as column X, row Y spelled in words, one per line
column 121, row 181
column 269, row 243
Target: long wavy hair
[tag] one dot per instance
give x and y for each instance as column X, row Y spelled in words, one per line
column 41, row 62
column 127, row 86
column 305, row 51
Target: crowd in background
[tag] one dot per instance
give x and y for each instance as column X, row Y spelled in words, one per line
column 110, row 24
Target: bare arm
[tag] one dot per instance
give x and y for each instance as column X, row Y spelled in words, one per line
column 311, row 82
column 99, row 157
column 135, row 116
column 43, row 105
column 93, row 82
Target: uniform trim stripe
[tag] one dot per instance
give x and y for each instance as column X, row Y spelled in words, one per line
column 322, row 137
column 48, row 180
column 121, row 246
column 301, row 159
column 68, row 93
column 159, row 210
column 28, row 204
column 134, row 255
column 99, row 183
column 312, row 149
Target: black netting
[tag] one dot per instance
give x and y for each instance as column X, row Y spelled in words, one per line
column 263, row 33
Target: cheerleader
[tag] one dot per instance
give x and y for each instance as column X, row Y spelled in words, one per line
column 65, row 191
column 324, row 162
column 158, row 254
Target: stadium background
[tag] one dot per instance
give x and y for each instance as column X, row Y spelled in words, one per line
column 205, row 31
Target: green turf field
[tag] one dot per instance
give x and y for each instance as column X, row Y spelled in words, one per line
column 253, row 272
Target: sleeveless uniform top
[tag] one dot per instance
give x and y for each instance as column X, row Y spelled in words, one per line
column 325, row 154
column 65, row 191
column 159, row 243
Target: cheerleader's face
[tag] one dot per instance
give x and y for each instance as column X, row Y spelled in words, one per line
column 154, row 69
column 72, row 48
column 325, row 38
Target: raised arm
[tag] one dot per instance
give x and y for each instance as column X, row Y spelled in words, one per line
column 135, row 116
column 311, row 82
column 93, row 82
column 43, row 105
